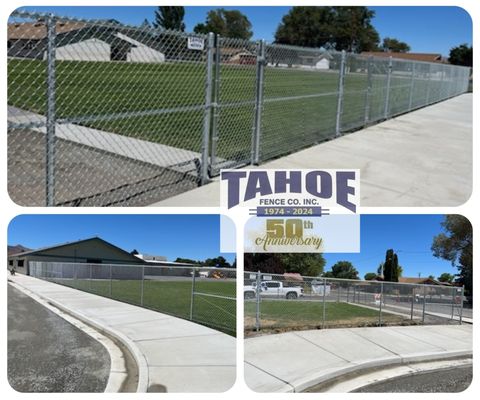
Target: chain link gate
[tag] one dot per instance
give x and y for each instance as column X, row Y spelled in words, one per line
column 105, row 114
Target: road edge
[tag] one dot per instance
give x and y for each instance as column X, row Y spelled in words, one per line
column 118, row 370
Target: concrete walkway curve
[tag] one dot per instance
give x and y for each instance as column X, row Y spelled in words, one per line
column 296, row 361
column 172, row 354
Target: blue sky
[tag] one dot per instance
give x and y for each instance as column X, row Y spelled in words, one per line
column 197, row 237
column 425, row 29
column 187, row 236
column 409, row 235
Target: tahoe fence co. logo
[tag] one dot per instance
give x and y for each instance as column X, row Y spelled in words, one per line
column 296, row 210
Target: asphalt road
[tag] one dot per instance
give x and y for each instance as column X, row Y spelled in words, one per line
column 450, row 380
column 48, row 354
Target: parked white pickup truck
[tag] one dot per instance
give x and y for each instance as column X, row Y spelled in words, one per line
column 272, row 289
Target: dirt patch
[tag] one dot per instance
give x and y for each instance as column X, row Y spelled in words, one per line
column 273, row 326
column 86, row 176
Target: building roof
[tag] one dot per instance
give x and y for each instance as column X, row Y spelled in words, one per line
column 425, row 57
column 97, row 239
column 38, row 30
column 422, row 281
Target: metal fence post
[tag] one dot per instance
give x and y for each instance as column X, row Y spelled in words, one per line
column 257, row 127
column 192, row 297
column 324, row 305
column 412, row 84
column 216, row 109
column 413, row 301
column 257, row 305
column 341, row 81
column 368, row 96
column 110, row 289
column 428, row 83
column 143, row 285
column 454, row 290
column 380, row 309
column 461, row 305
column 90, row 280
column 424, row 303
column 50, row 113
column 207, row 119
column 389, row 83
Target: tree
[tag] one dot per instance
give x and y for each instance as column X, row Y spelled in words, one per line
column 390, row 267
column 217, row 262
column 342, row 270
column 369, row 276
column 446, row 277
column 461, row 55
column 340, row 28
column 227, row 23
column 394, row 45
column 307, row 264
column 186, row 261
column 145, row 24
column 455, row 245
column 170, row 18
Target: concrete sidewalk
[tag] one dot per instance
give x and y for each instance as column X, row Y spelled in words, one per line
column 172, row 354
column 423, row 158
column 296, row 361
column 136, row 149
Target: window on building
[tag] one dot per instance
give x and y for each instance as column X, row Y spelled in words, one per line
column 20, row 263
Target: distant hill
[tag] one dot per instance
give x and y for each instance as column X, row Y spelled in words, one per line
column 18, row 248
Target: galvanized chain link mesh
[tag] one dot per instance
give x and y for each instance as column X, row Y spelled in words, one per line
column 205, row 295
column 104, row 114
column 276, row 303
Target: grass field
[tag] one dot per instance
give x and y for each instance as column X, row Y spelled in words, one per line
column 96, row 89
column 172, row 297
column 299, row 315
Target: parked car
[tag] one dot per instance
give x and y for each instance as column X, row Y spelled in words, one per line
column 273, row 289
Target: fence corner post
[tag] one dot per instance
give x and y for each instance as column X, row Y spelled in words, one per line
column 257, row 126
column 207, row 117
column 341, row 79
column 50, row 113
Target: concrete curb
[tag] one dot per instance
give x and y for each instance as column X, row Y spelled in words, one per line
column 315, row 380
column 377, row 375
column 112, row 385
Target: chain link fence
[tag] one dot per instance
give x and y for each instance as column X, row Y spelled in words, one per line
column 281, row 303
column 104, row 114
column 205, row 295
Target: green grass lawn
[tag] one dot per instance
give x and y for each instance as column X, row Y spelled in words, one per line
column 297, row 315
column 95, row 89
column 172, row 297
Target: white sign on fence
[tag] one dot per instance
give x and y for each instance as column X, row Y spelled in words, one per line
column 195, row 43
